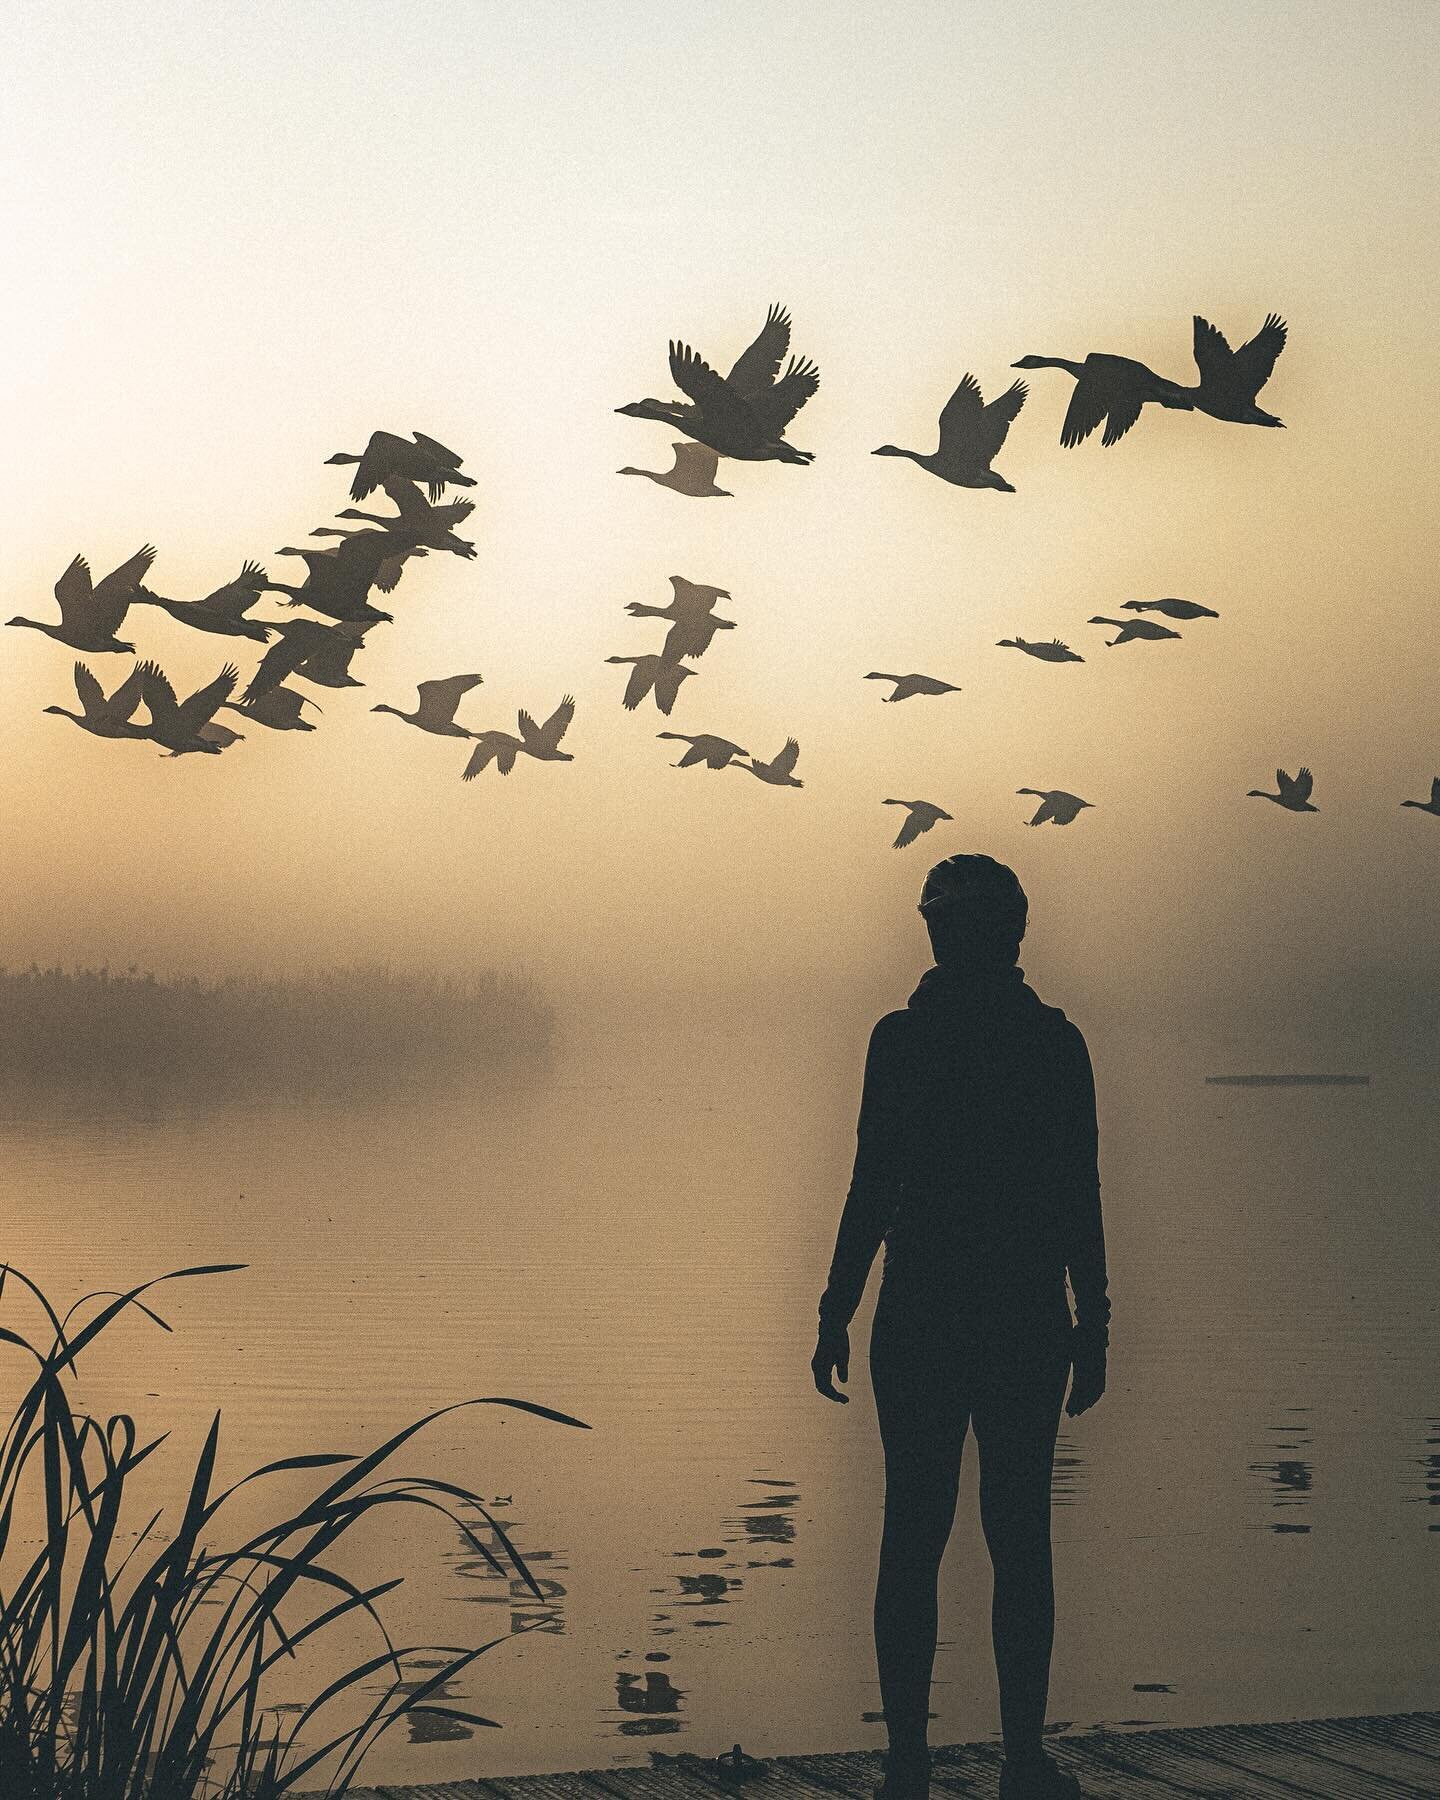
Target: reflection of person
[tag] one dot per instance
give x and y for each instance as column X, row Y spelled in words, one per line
column 976, row 1163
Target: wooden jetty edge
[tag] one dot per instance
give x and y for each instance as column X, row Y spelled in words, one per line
column 1393, row 1756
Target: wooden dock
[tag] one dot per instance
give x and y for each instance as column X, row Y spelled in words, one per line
column 1390, row 1757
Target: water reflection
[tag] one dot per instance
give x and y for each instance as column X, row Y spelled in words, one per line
column 1289, row 1476
column 505, row 1587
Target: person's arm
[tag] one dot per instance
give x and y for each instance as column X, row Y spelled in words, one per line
column 1083, row 1227
column 874, row 1181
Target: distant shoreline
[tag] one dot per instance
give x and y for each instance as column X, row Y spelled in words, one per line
column 1287, row 1081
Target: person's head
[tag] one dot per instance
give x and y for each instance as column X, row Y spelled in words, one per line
column 975, row 911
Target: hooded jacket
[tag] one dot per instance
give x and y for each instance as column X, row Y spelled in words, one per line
column 976, row 1162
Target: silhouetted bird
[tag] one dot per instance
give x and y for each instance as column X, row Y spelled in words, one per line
column 1112, row 388
column 340, row 578
column 1432, row 805
column 387, row 576
column 91, row 615
column 744, row 414
column 1054, row 651
column 971, row 434
column 416, row 520
column 693, row 473
column 278, row 709
column 319, row 653
column 1134, row 628
column 424, row 461
column 1294, row 794
column 921, row 817
column 539, row 741
column 107, row 716
column 436, row 709
column 179, row 724
column 714, row 752
column 1172, row 609
column 652, row 674
column 1056, row 806
column 223, row 611
column 1230, row 379
column 907, row 686
column 695, row 622
column 779, row 771
column 221, row 736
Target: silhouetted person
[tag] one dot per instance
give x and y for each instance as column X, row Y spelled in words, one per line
column 976, row 1163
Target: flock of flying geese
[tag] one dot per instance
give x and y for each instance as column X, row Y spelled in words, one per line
column 742, row 415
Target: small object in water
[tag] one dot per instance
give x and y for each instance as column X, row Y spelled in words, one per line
column 735, row 1765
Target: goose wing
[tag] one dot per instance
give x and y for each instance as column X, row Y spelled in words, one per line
column 300, row 640
column 376, row 462
column 118, row 587
column 758, row 366
column 411, row 504
column 450, row 458
column 1213, row 354
column 73, row 590
column 235, row 599
column 784, row 763
column 711, row 392
column 204, row 703
column 122, row 703
column 1092, row 400
column 438, row 699
column 157, row 693
column 558, row 723
column 912, row 827
column 1302, row 784
column 1045, row 810
column 776, row 406
column 697, row 463
column 91, row 694
column 1435, row 791
column 1124, row 411
column 1253, row 361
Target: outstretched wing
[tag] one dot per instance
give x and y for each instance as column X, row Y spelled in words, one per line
column 1302, row 784
column 127, row 697
column 1124, row 411
column 909, row 831
column 776, row 406
column 784, row 763
column 711, row 392
column 1254, row 360
column 557, row 724
column 235, row 599
column 696, row 462
column 73, row 591
column 156, row 692
column 204, row 703
column 1212, row 352
column 285, row 657
column 92, row 695
column 1089, row 404
column 981, row 428
column 758, row 366
column 450, row 458
column 438, row 699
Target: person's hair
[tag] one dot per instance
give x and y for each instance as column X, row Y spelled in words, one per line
column 975, row 910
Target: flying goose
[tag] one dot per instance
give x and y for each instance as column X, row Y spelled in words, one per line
column 1054, row 651
column 1056, row 806
column 652, row 674
column 1172, row 609
column 714, row 752
column 779, row 771
column 907, row 686
column 91, row 615
column 179, row 725
column 223, row 611
column 693, row 473
column 743, row 415
column 340, row 578
column 1112, row 388
column 1294, row 795
column 107, row 716
column 1432, row 805
column 278, row 709
column 436, row 709
column 416, row 519
column 1134, row 628
column 318, row 653
column 1230, row 379
column 539, row 741
column 921, row 816
column 695, row 620
column 386, row 455
column 971, row 434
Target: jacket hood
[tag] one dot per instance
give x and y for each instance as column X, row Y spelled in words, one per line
column 970, row 993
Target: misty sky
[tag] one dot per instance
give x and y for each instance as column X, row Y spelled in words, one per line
column 241, row 238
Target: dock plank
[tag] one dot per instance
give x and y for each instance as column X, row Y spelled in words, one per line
column 1246, row 1748
column 1168, row 1763
column 1361, row 1750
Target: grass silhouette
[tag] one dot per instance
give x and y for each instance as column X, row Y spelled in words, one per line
column 114, row 1683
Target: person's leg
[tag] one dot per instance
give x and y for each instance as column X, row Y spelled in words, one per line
column 1016, row 1417
column 922, row 1413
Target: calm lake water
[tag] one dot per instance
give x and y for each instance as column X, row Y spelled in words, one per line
column 637, row 1235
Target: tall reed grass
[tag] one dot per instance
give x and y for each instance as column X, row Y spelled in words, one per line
column 322, row 1029
column 140, row 1672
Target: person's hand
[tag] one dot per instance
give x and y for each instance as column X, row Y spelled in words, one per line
column 1087, row 1379
column 832, row 1352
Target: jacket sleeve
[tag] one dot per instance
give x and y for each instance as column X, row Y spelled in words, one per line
column 1083, row 1228
column 875, row 1181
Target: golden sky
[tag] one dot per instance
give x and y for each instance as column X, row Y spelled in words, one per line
column 242, row 237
